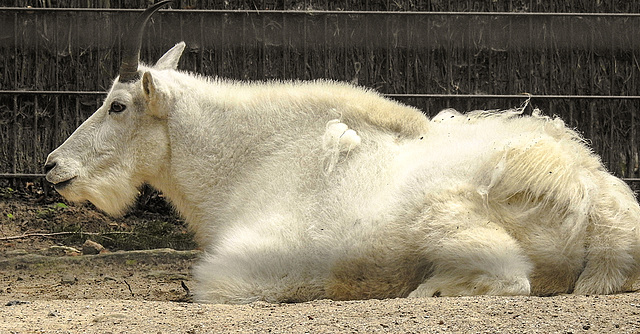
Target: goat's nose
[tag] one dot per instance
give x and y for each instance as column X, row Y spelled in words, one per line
column 49, row 166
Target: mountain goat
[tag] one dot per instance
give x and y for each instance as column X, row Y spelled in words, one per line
column 305, row 190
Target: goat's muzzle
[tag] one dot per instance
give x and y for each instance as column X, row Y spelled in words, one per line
column 56, row 176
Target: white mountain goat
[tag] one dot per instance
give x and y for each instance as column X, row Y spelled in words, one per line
column 306, row 190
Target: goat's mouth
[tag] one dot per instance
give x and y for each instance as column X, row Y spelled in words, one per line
column 62, row 185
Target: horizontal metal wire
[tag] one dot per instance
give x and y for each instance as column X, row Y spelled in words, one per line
column 515, row 96
column 21, row 176
column 317, row 12
column 42, row 176
column 50, row 92
column 409, row 96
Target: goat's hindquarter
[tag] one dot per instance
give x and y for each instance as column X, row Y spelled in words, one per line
column 576, row 224
column 612, row 261
column 527, row 209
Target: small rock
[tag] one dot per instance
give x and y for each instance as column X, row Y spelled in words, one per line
column 61, row 251
column 16, row 302
column 91, row 248
column 112, row 317
column 68, row 279
column 16, row 252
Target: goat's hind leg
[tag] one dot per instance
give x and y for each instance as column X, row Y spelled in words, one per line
column 474, row 257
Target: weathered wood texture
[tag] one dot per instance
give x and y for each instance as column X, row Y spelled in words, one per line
column 394, row 52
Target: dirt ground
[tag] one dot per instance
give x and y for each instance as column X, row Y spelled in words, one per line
column 48, row 286
column 146, row 292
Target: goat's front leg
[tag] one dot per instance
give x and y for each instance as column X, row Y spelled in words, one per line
column 263, row 262
column 470, row 255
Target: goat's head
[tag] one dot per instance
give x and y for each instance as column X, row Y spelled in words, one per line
column 125, row 141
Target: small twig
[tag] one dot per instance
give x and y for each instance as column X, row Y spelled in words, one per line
column 188, row 297
column 66, row 249
column 128, row 286
column 55, row 234
column 185, row 287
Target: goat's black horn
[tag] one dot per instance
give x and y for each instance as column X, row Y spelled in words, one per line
column 132, row 44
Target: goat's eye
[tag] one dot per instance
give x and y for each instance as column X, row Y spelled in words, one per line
column 117, row 107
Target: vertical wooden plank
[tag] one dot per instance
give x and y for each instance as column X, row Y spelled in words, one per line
column 305, row 48
column 263, row 48
column 547, row 71
column 221, row 49
column 75, row 58
column 36, row 53
column 15, row 51
column 14, row 137
column 35, row 144
column 57, row 53
column 491, row 62
column 328, row 74
column 633, row 169
column 449, row 54
column 77, row 114
column 341, row 25
column 14, row 116
column 470, row 62
column 408, row 86
column 389, row 86
column 53, row 124
column 203, row 46
column 592, row 75
column 573, row 66
column 285, row 67
column 592, row 119
column 243, row 48
column 634, row 156
column 612, row 152
column 571, row 111
column 511, row 53
column 428, row 58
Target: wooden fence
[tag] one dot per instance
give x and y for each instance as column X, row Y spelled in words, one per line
column 533, row 6
column 56, row 63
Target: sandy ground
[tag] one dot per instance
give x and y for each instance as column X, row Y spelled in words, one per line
column 146, row 292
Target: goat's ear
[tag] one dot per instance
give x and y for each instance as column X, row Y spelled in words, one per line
column 169, row 61
column 155, row 102
column 148, row 87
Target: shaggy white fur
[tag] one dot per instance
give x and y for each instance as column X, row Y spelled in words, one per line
column 304, row 190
